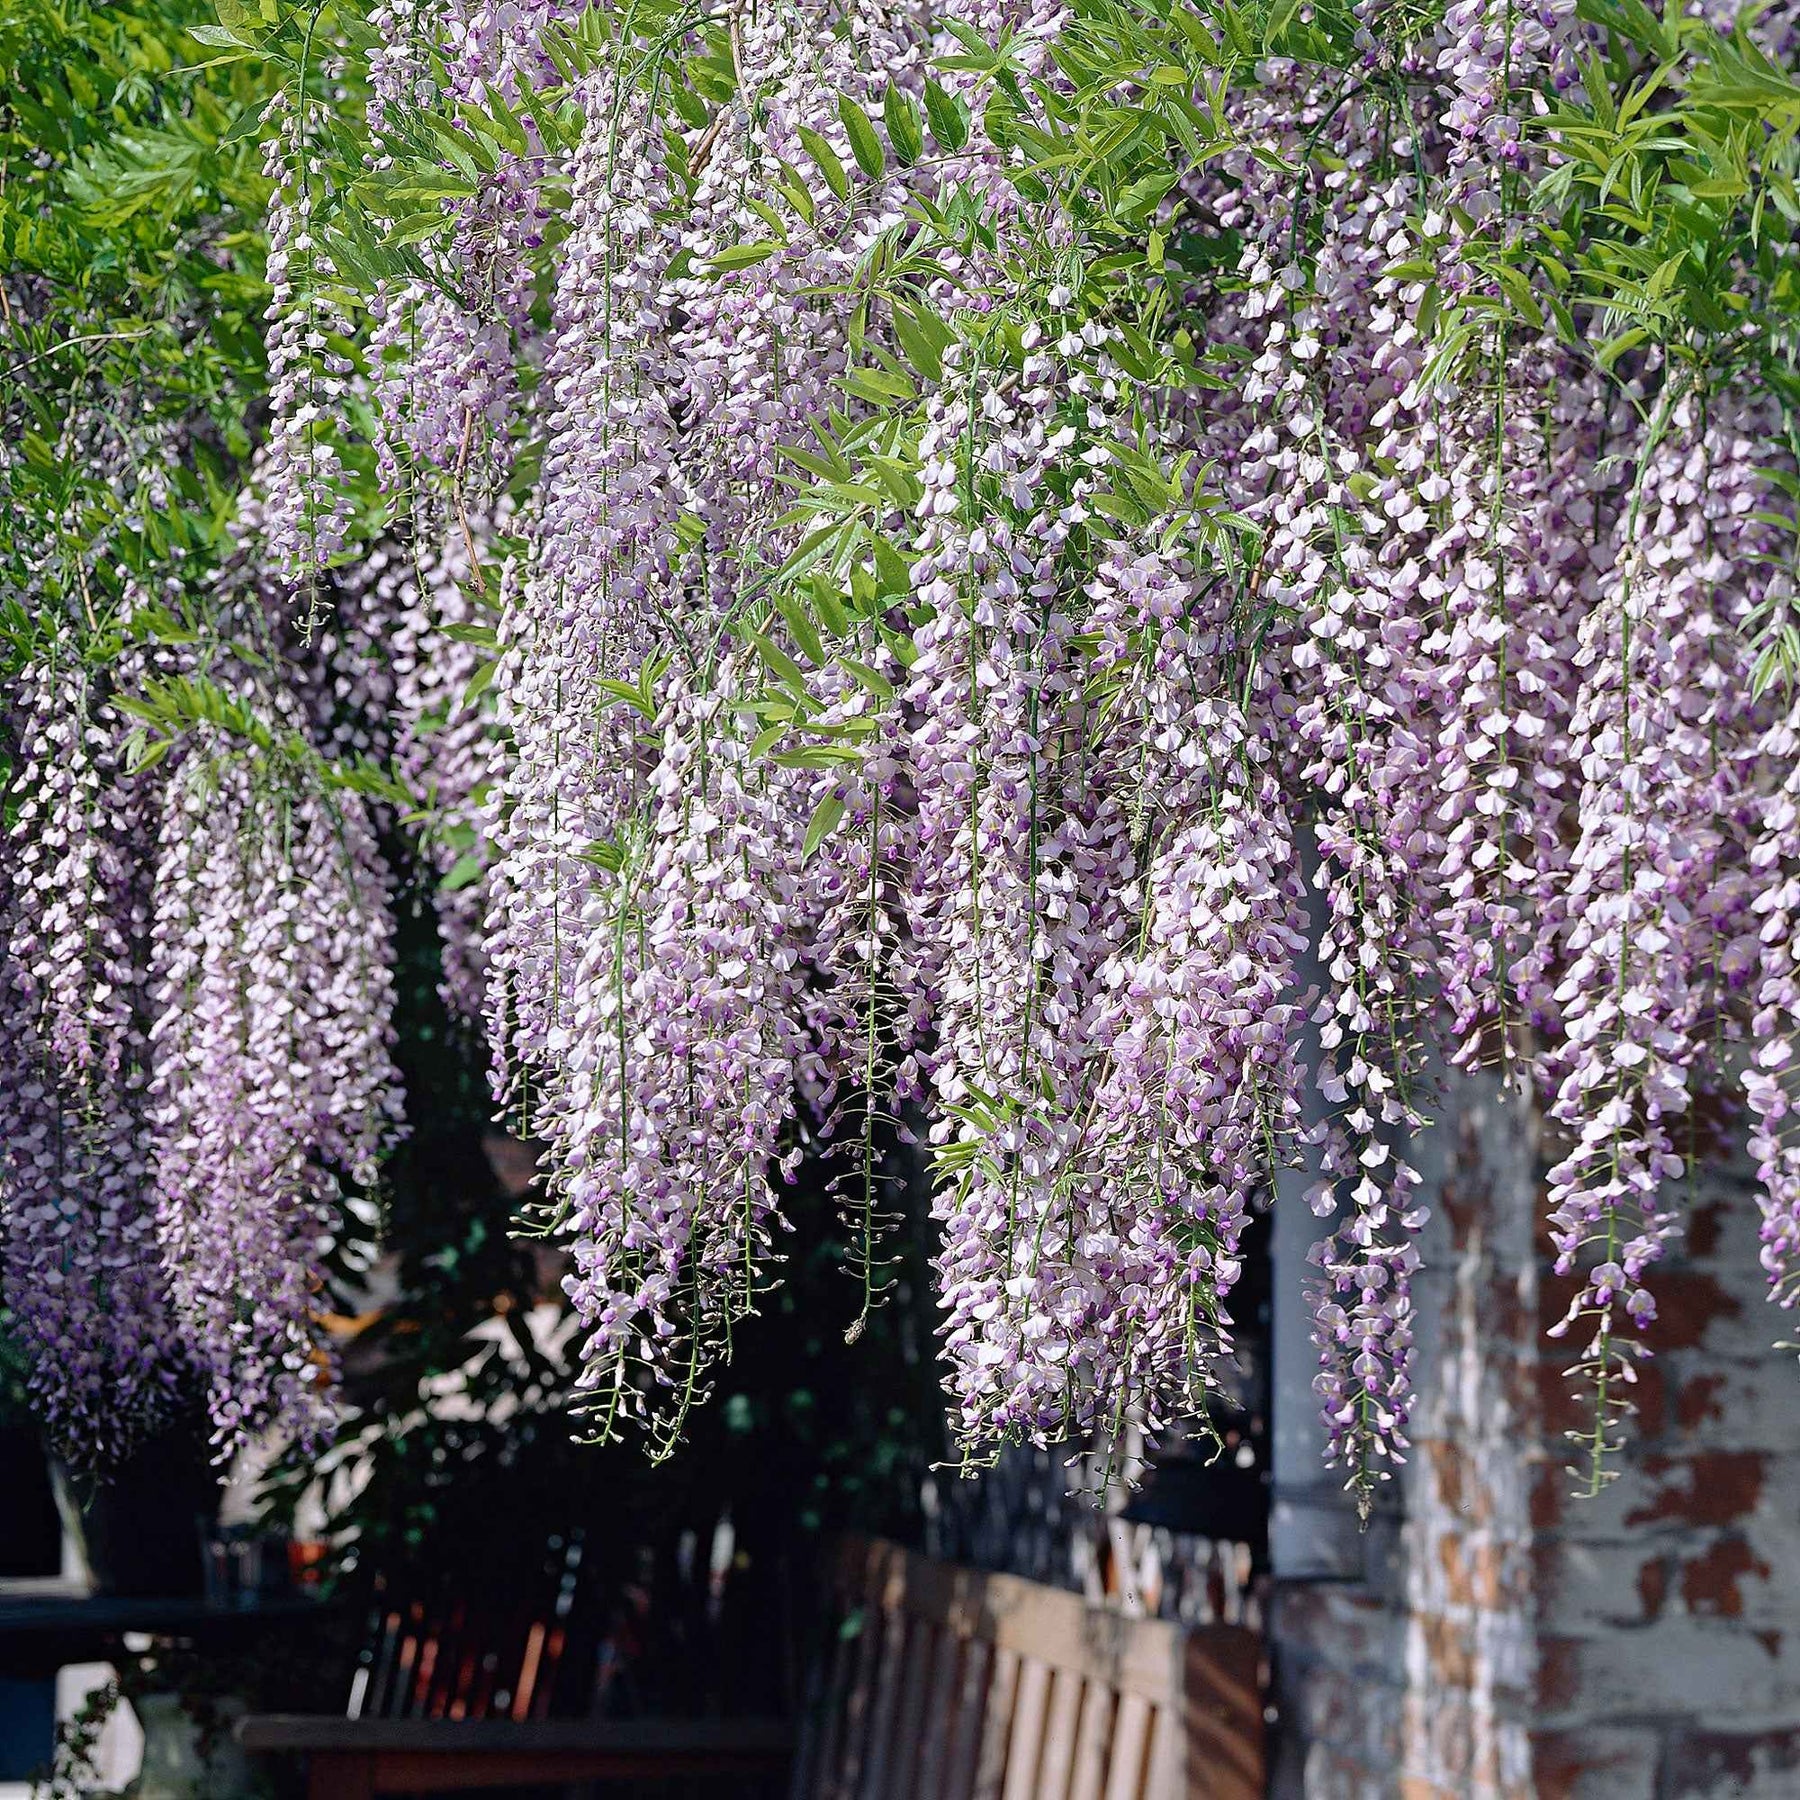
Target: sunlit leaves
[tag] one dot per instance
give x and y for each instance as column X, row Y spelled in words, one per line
column 130, row 211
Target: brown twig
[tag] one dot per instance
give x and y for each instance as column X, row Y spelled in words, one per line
column 456, row 488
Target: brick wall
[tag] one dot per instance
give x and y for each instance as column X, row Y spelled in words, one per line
column 1509, row 1640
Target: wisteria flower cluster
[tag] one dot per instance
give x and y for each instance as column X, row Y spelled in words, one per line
column 1152, row 755
column 1049, row 574
column 198, row 986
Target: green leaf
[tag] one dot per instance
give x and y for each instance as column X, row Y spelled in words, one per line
column 902, row 120
column 877, row 683
column 1142, row 197
column 923, row 337
column 480, row 682
column 825, row 820
column 795, row 191
column 949, row 116
column 633, row 697
column 781, row 665
column 1001, row 122
column 880, row 388
column 794, row 614
column 865, row 146
column 836, row 177
column 465, row 871
column 830, row 608
column 741, row 256
column 818, row 756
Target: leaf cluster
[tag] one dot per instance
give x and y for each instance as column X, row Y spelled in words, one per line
column 131, row 358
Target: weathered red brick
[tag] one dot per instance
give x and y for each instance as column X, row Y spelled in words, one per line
column 1340, row 1624
column 1331, row 1775
column 1705, row 1227
column 1558, row 1674
column 1564, row 1407
column 1647, row 1618
column 1595, row 1763
column 1732, row 1403
column 1581, row 1588
column 1682, row 1668
column 1714, row 1487
column 1697, row 1401
column 1690, row 1303
column 1709, row 1582
column 1753, row 1765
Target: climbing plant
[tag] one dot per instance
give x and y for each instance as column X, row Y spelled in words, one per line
column 1118, row 583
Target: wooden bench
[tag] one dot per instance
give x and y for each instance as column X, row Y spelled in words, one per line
column 948, row 1684
column 941, row 1683
column 354, row 1759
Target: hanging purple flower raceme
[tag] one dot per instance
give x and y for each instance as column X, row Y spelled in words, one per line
column 1494, row 58
column 1524, row 568
column 407, row 34
column 758, row 351
column 1197, row 1013
column 1512, row 567
column 445, row 354
column 1003, row 905
column 1089, row 1237
column 446, row 750
column 1769, row 1081
column 1653, row 916
column 865, row 1010
column 392, row 677
column 652, row 539
column 273, row 1089
column 83, row 1282
column 300, row 482
column 991, row 790
column 1336, row 466
column 604, row 543
column 680, row 1077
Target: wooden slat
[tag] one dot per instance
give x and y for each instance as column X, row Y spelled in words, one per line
column 941, row 1714
column 1168, row 1772
column 1061, row 1724
column 528, row 1670
column 1130, row 1749
column 441, row 1679
column 900, row 1781
column 974, row 1699
column 878, row 1752
column 481, row 1703
column 1134, row 1655
column 468, row 1666
column 1092, row 1741
column 859, row 1701
column 400, row 1693
column 996, row 1725
column 816, row 1767
column 1025, row 1742
column 1056, row 1699
column 1222, row 1715
column 381, row 1669
column 941, row 1720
